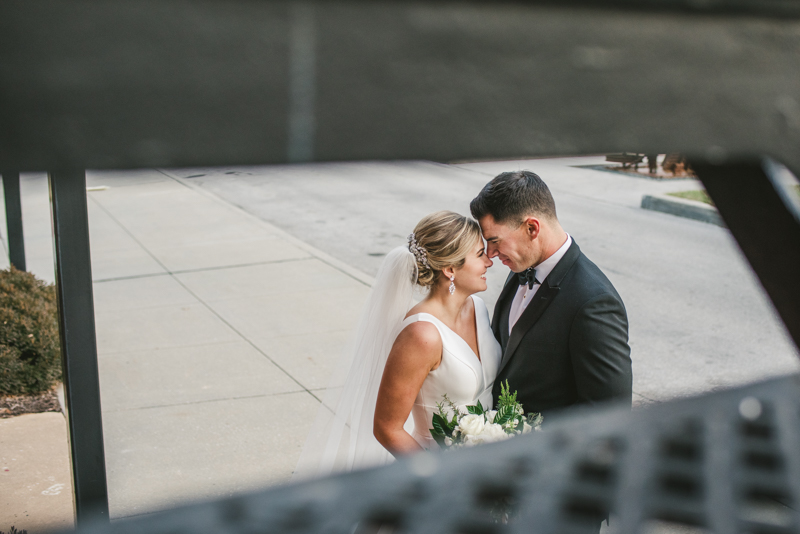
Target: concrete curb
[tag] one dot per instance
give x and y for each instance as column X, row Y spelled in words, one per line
column 690, row 209
column 61, row 401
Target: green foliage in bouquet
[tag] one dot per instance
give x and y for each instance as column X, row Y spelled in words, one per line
column 510, row 414
column 452, row 428
column 444, row 420
column 30, row 354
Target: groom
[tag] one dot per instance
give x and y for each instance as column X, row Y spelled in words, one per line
column 561, row 324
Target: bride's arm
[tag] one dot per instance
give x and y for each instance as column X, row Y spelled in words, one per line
column 416, row 351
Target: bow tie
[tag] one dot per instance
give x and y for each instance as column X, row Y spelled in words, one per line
column 528, row 277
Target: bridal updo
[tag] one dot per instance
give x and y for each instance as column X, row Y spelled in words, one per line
column 442, row 239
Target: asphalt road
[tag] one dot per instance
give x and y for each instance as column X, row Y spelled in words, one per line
column 699, row 320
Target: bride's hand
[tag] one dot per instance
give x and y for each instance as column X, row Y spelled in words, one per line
column 416, row 352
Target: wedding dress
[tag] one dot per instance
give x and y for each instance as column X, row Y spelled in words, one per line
column 461, row 375
column 341, row 437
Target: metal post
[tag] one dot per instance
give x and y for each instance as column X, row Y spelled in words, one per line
column 16, row 244
column 756, row 208
column 78, row 344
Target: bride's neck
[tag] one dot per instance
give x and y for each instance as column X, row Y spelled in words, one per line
column 448, row 306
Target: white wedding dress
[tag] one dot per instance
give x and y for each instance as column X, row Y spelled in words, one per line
column 461, row 375
column 341, row 436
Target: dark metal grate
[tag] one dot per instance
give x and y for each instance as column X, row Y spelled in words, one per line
column 724, row 462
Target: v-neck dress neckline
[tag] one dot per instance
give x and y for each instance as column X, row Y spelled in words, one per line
column 477, row 355
column 463, row 375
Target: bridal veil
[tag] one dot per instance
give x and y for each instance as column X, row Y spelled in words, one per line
column 341, row 438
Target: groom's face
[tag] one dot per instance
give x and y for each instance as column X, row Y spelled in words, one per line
column 510, row 242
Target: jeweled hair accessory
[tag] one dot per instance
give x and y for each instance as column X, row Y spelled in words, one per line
column 417, row 250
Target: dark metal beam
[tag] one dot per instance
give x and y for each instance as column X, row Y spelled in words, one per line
column 78, row 344
column 16, row 242
column 150, row 83
column 760, row 214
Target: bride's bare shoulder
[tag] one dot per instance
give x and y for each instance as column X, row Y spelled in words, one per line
column 419, row 343
column 420, row 333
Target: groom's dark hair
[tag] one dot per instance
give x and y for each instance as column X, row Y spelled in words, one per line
column 512, row 196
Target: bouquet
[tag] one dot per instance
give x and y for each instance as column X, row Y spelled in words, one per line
column 453, row 428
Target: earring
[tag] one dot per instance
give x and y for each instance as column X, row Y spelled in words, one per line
column 452, row 288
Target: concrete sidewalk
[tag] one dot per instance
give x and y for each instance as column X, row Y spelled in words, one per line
column 35, row 473
column 215, row 332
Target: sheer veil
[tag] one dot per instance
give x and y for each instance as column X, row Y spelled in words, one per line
column 341, row 438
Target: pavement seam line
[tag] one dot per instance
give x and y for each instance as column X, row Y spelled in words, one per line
column 646, row 397
column 172, row 347
column 204, row 303
column 120, row 186
column 206, row 401
column 320, row 255
column 299, row 293
column 139, row 514
column 200, row 270
column 131, row 277
column 461, row 168
column 209, row 343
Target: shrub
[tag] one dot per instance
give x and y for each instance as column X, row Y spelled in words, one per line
column 30, row 354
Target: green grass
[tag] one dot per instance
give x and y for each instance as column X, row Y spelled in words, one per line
column 699, row 196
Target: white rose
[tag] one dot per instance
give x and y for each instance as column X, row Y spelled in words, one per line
column 448, row 442
column 471, row 424
column 536, row 422
column 490, row 416
column 526, row 427
column 493, row 432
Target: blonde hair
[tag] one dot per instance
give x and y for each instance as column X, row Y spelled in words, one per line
column 446, row 238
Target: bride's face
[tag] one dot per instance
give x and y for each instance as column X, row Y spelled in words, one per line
column 471, row 277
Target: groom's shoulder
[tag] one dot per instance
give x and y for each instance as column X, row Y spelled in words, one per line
column 588, row 280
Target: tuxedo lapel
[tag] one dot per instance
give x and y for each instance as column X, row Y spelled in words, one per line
column 501, row 309
column 541, row 300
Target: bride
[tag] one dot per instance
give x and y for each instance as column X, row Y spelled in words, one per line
column 403, row 359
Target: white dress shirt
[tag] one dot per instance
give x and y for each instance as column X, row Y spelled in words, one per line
column 524, row 294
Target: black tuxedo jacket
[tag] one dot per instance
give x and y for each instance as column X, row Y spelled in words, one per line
column 570, row 345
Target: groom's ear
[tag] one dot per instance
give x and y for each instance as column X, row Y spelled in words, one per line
column 532, row 227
